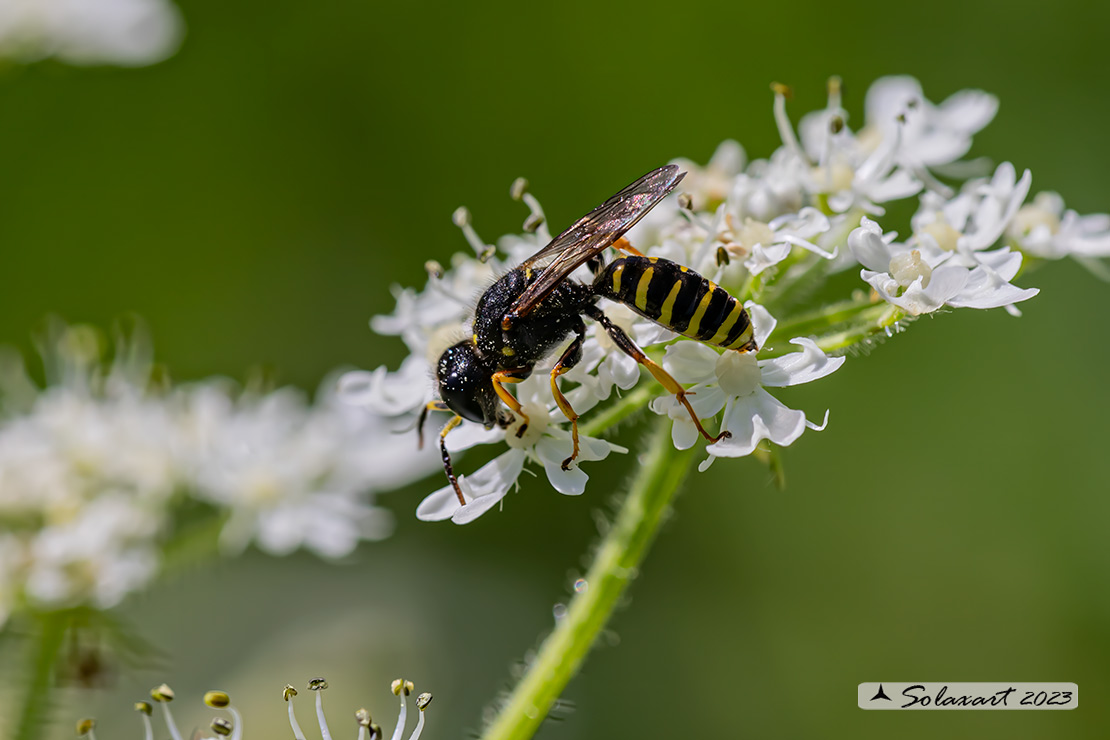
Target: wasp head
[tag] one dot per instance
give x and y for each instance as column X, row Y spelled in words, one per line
column 466, row 384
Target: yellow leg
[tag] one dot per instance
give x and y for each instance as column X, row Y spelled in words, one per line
column 629, row 347
column 623, row 245
column 506, row 376
column 430, row 406
column 569, row 359
column 667, row 381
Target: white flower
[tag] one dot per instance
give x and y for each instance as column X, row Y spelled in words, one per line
column 974, row 220
column 839, row 168
column 921, row 279
column 762, row 245
column 931, row 134
column 99, row 556
column 123, row 32
column 543, row 442
column 1045, row 229
column 735, row 382
column 709, row 185
column 291, row 474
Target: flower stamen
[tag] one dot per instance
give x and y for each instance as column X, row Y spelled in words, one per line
column 461, row 218
column 318, row 685
column 144, row 709
column 85, row 728
column 164, row 695
column 519, row 192
column 782, row 121
column 907, row 267
column 422, row 703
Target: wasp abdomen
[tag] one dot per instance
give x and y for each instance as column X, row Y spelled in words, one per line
column 679, row 299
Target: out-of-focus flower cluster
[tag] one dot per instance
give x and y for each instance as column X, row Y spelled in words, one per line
column 129, row 33
column 106, row 465
column 771, row 232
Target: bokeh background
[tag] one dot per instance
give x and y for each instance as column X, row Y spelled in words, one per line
column 255, row 196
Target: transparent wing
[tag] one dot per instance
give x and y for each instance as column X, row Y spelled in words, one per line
column 594, row 232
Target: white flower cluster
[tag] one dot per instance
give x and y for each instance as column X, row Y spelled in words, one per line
column 94, row 467
column 128, row 33
column 769, row 231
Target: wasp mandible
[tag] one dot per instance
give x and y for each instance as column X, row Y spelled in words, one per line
column 533, row 308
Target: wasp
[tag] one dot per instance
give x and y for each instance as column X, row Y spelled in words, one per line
column 531, row 310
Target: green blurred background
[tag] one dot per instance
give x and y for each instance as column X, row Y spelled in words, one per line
column 255, row 196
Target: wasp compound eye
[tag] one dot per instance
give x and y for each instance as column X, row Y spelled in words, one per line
column 465, row 384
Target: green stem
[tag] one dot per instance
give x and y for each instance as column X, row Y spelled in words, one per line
column 810, row 322
column 615, row 564
column 39, row 678
column 865, row 324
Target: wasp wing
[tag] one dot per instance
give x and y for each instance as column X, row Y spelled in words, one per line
column 594, row 232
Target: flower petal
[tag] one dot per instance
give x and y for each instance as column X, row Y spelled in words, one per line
column 867, row 246
column 439, row 505
column 753, row 418
column 690, row 362
column 763, row 323
column 799, row 367
column 475, row 508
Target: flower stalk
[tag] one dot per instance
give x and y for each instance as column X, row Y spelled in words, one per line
column 615, row 565
column 42, row 659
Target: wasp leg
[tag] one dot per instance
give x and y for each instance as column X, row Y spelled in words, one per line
column 510, row 376
column 623, row 245
column 629, row 347
column 447, row 458
column 430, row 406
column 571, row 357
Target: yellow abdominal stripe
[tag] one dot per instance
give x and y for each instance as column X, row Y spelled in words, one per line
column 642, row 288
column 668, row 304
column 695, row 322
column 617, row 279
column 727, row 324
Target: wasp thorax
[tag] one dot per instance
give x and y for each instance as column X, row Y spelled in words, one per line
column 907, row 267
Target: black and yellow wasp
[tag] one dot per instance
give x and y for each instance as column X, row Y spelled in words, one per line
column 533, row 308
